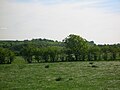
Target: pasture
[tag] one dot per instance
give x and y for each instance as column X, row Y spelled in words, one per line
column 101, row 75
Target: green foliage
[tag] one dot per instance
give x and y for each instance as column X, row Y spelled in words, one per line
column 19, row 60
column 53, row 53
column 6, row 56
column 27, row 53
column 76, row 45
column 93, row 53
column 73, row 48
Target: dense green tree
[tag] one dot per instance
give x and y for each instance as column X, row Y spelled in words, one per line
column 105, row 50
column 2, row 55
column 38, row 54
column 62, row 54
column 54, row 53
column 45, row 54
column 10, row 56
column 76, row 45
column 93, row 52
column 27, row 52
column 114, row 50
column 6, row 56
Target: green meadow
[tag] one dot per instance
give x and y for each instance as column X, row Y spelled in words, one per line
column 101, row 75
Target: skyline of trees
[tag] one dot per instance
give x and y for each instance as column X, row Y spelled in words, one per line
column 72, row 48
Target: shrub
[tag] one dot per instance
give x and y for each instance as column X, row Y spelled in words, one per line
column 6, row 56
column 90, row 62
column 94, row 66
column 70, row 78
column 47, row 66
column 58, row 79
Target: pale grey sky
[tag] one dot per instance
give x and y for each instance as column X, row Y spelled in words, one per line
column 97, row 20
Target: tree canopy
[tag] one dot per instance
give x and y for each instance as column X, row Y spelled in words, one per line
column 72, row 48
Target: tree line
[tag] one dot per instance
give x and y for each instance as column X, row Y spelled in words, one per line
column 72, row 48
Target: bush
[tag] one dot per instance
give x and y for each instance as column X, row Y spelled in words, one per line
column 90, row 62
column 94, row 66
column 47, row 66
column 70, row 78
column 6, row 56
column 58, row 79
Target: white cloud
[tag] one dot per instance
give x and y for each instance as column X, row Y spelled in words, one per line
column 31, row 20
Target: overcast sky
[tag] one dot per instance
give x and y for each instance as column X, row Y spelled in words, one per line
column 97, row 20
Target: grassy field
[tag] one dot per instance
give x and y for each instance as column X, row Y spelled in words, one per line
column 60, row 76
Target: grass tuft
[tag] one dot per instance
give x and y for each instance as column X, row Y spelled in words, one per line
column 94, row 66
column 47, row 66
column 90, row 62
column 70, row 78
column 58, row 79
